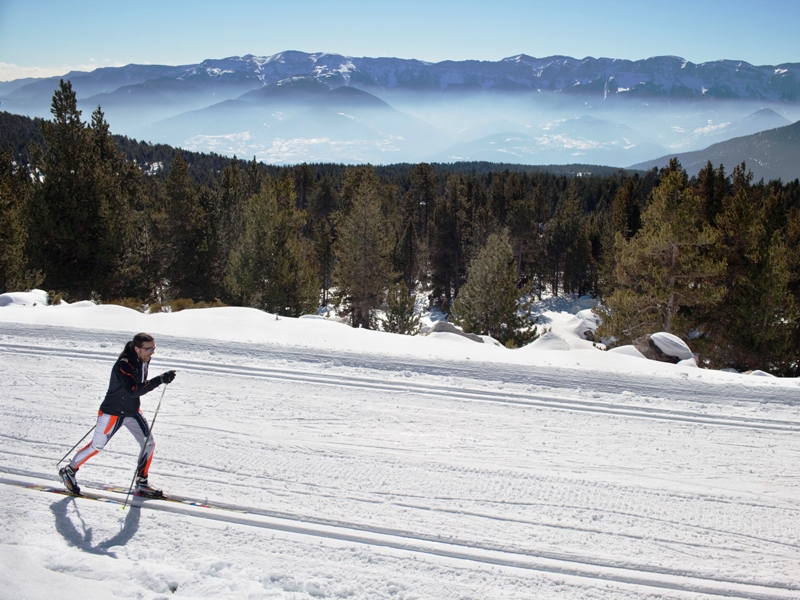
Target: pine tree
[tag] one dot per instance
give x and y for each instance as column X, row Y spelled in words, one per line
column 270, row 268
column 410, row 220
column 323, row 205
column 188, row 252
column 15, row 192
column 753, row 327
column 523, row 228
column 421, row 197
column 568, row 246
column 81, row 206
column 666, row 269
column 401, row 316
column 363, row 250
column 712, row 188
column 490, row 302
column 449, row 239
column 305, row 182
column 234, row 190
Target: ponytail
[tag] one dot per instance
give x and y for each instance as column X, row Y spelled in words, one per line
column 137, row 341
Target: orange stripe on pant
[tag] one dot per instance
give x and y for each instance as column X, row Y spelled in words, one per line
column 111, row 422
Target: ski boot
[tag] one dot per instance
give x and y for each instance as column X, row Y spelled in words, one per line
column 146, row 490
column 67, row 475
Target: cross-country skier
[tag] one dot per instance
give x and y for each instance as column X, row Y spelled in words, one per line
column 121, row 408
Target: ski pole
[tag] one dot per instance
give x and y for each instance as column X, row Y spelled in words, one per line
column 76, row 445
column 144, row 448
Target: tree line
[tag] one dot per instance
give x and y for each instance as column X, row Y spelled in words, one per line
column 90, row 215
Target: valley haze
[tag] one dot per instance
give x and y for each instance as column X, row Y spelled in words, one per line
column 295, row 107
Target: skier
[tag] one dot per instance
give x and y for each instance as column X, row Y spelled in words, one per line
column 121, row 407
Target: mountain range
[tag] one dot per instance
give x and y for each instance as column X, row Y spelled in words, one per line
column 301, row 107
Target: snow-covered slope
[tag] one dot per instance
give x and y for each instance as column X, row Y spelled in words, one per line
column 354, row 464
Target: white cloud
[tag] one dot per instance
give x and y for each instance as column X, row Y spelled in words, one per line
column 10, row 71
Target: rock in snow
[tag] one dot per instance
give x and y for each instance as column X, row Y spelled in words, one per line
column 672, row 345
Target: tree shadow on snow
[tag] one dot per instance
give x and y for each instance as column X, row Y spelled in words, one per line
column 77, row 533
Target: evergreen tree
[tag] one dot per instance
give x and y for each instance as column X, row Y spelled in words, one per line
column 270, row 268
column 752, row 328
column 401, row 316
column 568, row 246
column 119, row 183
column 490, row 302
column 353, row 182
column 712, row 188
column 15, row 192
column 449, row 240
column 234, row 190
column 411, row 221
column 81, row 209
column 421, row 197
column 626, row 217
column 522, row 225
column 323, row 205
column 664, row 271
column 363, row 250
column 188, row 253
column 305, row 182
column 254, row 179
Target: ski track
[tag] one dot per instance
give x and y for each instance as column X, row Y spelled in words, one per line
column 538, row 400
column 562, row 564
column 524, row 496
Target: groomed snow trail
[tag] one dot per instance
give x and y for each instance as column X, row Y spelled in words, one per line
column 354, row 476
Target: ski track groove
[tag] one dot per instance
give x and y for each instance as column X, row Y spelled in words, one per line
column 511, row 398
column 564, row 564
column 422, row 507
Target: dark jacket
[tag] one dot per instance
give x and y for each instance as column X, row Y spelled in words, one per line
column 128, row 382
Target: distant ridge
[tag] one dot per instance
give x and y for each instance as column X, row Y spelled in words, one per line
column 772, row 154
column 657, row 77
column 295, row 107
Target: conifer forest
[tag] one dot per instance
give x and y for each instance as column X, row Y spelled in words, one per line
column 712, row 259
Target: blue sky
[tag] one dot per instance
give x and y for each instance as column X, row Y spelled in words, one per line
column 49, row 37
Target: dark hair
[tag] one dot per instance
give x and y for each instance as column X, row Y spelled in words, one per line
column 136, row 342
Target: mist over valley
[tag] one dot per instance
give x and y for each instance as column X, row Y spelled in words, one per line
column 296, row 107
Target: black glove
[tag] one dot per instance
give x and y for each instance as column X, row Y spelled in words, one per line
column 167, row 377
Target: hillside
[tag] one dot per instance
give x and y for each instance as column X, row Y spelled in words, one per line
column 772, row 154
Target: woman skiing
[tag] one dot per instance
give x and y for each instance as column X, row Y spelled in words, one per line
column 121, row 407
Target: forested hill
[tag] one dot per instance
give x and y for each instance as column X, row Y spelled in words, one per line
column 17, row 132
column 771, row 154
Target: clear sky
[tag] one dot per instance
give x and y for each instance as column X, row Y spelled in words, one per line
column 50, row 37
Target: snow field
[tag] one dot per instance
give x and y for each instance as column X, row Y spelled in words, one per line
column 366, row 474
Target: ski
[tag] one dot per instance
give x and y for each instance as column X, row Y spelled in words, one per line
column 65, row 492
column 97, row 493
column 166, row 498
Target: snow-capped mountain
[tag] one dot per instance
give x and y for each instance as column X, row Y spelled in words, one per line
column 418, row 109
column 662, row 76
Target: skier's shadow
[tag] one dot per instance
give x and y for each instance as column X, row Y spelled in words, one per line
column 82, row 538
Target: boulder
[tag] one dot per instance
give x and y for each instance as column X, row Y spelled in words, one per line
column 672, row 345
column 663, row 347
column 445, row 327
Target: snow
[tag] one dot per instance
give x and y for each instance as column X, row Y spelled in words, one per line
column 672, row 345
column 365, row 465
